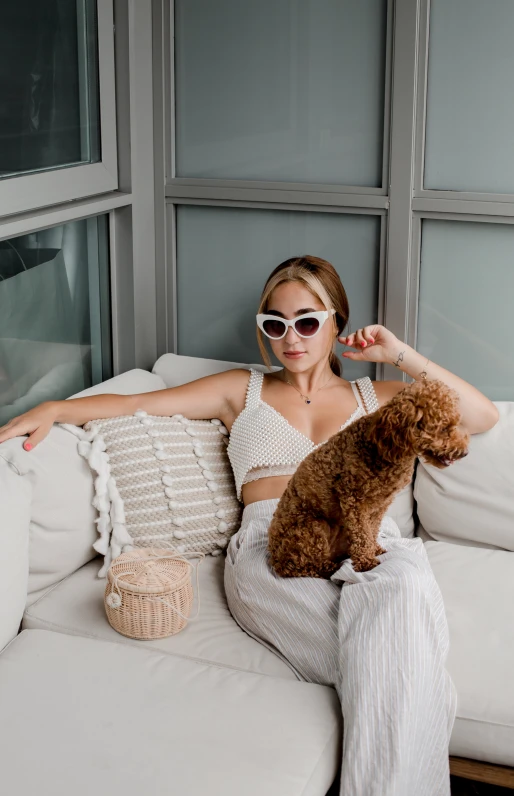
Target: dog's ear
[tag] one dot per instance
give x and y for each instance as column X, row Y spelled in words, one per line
column 394, row 425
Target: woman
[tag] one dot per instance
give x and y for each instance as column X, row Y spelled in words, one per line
column 379, row 637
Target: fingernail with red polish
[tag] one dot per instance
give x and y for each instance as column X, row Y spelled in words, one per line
column 363, row 343
column 28, row 446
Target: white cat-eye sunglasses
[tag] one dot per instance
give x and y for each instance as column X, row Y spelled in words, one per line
column 307, row 325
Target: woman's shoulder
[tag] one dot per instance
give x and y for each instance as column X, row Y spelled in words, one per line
column 385, row 390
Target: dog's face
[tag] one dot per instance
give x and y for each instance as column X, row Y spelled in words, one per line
column 448, row 447
column 423, row 419
column 441, row 437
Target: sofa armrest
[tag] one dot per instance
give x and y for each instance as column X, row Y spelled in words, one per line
column 52, row 493
column 15, row 502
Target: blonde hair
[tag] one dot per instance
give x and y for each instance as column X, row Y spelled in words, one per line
column 322, row 280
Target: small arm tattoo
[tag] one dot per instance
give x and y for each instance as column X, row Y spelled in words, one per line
column 400, row 359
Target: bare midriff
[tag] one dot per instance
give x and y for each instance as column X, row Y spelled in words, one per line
column 264, row 488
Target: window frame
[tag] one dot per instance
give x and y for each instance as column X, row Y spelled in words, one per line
column 455, row 201
column 297, row 196
column 262, row 190
column 133, row 221
column 402, row 199
column 24, row 192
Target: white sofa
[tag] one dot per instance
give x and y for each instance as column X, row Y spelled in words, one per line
column 85, row 710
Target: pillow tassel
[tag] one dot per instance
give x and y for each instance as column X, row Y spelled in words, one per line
column 91, row 446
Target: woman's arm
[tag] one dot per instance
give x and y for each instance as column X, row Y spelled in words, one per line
column 220, row 395
column 378, row 344
column 210, row 396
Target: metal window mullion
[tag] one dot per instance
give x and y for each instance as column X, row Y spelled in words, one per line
column 122, row 290
column 179, row 193
column 380, row 369
column 467, row 196
column 106, row 79
column 400, row 261
column 169, row 65
column 177, row 183
column 84, row 78
column 280, row 206
column 416, row 232
column 25, row 223
column 386, row 148
column 170, row 210
column 421, row 89
column 477, row 206
column 95, row 321
column 160, row 55
column 171, row 267
column 465, row 217
column 143, row 180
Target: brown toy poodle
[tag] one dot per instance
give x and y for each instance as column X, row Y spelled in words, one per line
column 333, row 505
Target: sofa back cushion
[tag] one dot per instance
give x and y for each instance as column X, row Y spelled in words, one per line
column 62, row 518
column 472, row 501
column 176, row 369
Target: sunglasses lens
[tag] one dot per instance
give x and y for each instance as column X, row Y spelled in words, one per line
column 307, row 327
column 274, row 328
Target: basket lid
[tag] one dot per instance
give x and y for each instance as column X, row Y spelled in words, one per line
column 146, row 575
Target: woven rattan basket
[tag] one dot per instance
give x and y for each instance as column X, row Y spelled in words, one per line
column 146, row 598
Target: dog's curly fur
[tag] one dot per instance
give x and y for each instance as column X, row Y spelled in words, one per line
column 333, row 505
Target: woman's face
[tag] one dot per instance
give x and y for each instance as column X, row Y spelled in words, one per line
column 289, row 300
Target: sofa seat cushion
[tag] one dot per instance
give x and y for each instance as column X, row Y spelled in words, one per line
column 76, row 606
column 477, row 586
column 103, row 718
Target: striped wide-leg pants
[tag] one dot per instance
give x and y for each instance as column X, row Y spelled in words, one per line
column 379, row 637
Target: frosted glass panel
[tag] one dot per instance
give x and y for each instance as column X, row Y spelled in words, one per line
column 54, row 314
column 280, row 90
column 225, row 255
column 470, row 105
column 466, row 302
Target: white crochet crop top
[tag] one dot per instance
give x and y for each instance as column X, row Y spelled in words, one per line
column 263, row 443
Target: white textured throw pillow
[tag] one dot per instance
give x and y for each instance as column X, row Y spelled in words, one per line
column 161, row 481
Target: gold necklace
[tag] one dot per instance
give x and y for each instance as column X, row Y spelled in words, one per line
column 306, row 398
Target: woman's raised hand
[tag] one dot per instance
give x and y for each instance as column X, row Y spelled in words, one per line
column 36, row 423
column 373, row 343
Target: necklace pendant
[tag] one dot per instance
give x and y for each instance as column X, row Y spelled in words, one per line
column 307, row 401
